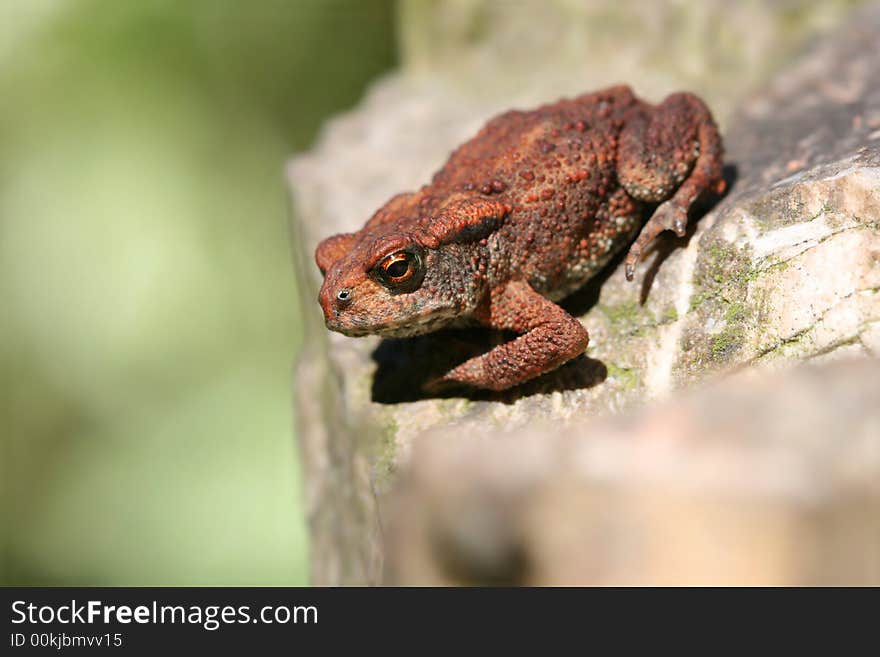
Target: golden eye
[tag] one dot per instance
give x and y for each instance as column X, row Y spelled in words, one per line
column 398, row 267
column 401, row 271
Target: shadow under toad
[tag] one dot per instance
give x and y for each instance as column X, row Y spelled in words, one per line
column 404, row 365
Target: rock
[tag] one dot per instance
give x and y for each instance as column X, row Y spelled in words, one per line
column 784, row 269
column 495, row 50
column 756, row 480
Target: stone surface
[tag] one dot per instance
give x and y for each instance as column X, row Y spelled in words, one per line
column 520, row 52
column 784, row 269
column 767, row 480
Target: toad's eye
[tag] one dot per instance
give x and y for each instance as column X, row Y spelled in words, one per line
column 398, row 267
column 400, row 271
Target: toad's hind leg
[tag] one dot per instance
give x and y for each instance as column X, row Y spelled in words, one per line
column 669, row 156
column 549, row 337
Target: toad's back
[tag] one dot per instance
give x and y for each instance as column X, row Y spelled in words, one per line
column 556, row 168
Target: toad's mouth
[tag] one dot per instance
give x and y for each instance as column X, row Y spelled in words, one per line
column 354, row 327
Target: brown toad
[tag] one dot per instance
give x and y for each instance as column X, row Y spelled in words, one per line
column 520, row 216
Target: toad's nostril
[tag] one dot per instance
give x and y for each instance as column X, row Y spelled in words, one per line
column 343, row 296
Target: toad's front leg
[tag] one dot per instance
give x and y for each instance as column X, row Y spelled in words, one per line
column 550, row 337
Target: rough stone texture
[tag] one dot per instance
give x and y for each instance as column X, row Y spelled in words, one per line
column 782, row 270
column 524, row 51
column 757, row 480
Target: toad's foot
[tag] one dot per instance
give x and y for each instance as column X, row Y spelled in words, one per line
column 550, row 337
column 669, row 215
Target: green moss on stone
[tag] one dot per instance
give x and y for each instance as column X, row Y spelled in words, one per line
column 627, row 318
column 386, row 448
column 721, row 297
column 696, row 301
column 621, row 313
column 626, row 377
column 669, row 315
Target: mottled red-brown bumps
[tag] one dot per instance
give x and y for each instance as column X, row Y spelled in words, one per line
column 520, row 216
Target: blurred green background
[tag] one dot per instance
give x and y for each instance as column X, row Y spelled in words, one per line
column 148, row 316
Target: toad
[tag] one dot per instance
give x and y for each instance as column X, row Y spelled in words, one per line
column 519, row 217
